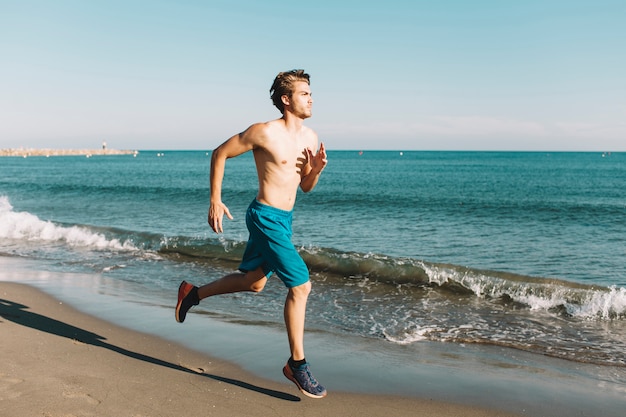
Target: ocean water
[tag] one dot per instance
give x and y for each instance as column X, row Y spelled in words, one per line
column 518, row 250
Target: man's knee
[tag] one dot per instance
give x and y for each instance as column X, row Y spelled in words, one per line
column 302, row 290
column 256, row 280
column 257, row 286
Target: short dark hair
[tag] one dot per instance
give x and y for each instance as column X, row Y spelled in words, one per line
column 283, row 85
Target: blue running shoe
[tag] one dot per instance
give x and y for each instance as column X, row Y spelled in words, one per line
column 187, row 298
column 305, row 381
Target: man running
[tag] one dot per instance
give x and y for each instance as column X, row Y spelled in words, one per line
column 283, row 151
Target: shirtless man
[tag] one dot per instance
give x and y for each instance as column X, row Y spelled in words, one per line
column 283, row 153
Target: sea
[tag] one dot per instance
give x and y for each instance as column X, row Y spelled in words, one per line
column 515, row 251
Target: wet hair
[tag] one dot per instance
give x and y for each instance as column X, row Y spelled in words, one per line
column 283, row 85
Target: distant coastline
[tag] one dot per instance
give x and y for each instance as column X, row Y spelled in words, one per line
column 26, row 152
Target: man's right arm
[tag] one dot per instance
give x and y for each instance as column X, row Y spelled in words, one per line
column 236, row 145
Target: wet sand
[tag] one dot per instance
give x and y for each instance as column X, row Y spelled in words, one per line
column 57, row 361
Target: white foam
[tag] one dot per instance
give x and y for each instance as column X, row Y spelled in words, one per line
column 28, row 227
column 603, row 304
column 589, row 303
column 411, row 336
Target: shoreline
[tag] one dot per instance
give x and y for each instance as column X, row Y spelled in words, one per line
column 371, row 376
column 61, row 361
column 26, row 152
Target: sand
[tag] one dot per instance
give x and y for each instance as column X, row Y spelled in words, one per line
column 57, row 361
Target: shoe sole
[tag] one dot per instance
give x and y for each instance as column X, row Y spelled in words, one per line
column 181, row 296
column 289, row 375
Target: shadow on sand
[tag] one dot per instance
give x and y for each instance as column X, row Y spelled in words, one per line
column 18, row 313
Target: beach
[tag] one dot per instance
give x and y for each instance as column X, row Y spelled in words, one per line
column 61, row 362
column 72, row 347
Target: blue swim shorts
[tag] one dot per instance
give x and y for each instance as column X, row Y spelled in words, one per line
column 269, row 245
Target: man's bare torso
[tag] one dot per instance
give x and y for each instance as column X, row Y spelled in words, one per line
column 281, row 162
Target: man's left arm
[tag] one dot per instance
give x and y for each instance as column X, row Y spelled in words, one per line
column 315, row 164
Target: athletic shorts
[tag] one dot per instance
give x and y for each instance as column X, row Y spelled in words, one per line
column 269, row 245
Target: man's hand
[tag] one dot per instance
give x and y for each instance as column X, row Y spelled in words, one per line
column 216, row 214
column 312, row 166
column 317, row 161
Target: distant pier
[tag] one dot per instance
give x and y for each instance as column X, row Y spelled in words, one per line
column 26, row 152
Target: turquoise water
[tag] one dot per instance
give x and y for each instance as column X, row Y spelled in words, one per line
column 512, row 249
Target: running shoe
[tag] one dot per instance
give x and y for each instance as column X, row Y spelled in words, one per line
column 305, row 381
column 187, row 298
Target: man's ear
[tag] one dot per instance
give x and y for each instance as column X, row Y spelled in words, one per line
column 285, row 99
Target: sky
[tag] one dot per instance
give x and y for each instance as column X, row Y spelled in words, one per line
column 528, row 75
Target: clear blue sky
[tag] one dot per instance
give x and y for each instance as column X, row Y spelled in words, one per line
column 462, row 75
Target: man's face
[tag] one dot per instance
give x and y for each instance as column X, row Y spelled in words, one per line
column 301, row 102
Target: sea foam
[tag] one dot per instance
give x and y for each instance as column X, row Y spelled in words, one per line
column 28, row 227
column 577, row 300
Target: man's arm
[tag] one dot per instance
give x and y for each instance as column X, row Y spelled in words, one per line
column 236, row 145
column 314, row 166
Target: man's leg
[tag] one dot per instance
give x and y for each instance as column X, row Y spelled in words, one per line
column 189, row 295
column 295, row 312
column 236, row 282
column 297, row 369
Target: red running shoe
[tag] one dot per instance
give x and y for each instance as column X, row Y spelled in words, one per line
column 187, row 298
